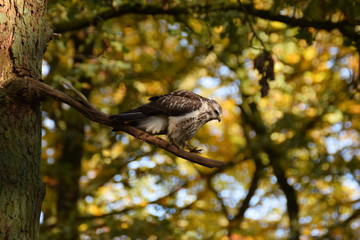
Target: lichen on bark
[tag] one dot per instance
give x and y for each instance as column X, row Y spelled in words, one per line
column 23, row 39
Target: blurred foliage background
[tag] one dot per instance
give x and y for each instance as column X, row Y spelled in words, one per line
column 286, row 75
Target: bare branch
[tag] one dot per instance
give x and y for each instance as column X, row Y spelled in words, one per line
column 342, row 224
column 90, row 112
column 140, row 206
column 238, row 218
column 252, row 116
column 81, row 21
column 291, row 198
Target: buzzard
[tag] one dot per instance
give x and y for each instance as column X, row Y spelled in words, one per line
column 179, row 115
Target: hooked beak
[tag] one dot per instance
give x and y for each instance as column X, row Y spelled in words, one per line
column 219, row 119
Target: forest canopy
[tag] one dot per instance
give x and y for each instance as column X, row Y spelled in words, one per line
column 286, row 74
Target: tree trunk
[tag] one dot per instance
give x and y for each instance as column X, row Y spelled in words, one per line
column 23, row 38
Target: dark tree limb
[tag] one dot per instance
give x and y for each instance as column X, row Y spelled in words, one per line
column 238, row 218
column 107, row 172
column 235, row 222
column 347, row 28
column 122, row 211
column 355, row 215
column 253, row 117
column 210, row 186
column 80, row 103
column 130, row 208
column 291, row 199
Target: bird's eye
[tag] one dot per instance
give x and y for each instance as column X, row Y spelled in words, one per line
column 217, row 112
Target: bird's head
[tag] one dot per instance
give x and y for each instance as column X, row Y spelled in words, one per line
column 215, row 111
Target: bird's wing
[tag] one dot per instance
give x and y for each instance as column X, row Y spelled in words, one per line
column 173, row 104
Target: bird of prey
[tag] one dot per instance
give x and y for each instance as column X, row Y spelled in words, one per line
column 179, row 115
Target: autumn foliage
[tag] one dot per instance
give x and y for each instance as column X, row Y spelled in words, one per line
column 286, row 75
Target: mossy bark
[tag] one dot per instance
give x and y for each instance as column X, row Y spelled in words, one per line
column 23, row 38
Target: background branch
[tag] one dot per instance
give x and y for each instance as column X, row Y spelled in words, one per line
column 343, row 224
column 245, row 204
column 139, row 206
column 80, row 21
column 252, row 116
column 90, row 112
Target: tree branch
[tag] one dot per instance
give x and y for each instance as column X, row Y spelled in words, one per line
column 107, row 172
column 238, row 218
column 342, row 224
column 89, row 111
column 139, row 206
column 291, row 198
column 80, row 21
column 253, row 117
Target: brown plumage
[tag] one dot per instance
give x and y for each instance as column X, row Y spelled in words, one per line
column 179, row 115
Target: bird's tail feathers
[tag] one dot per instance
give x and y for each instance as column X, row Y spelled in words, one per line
column 128, row 116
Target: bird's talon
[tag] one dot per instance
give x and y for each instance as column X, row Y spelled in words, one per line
column 196, row 150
